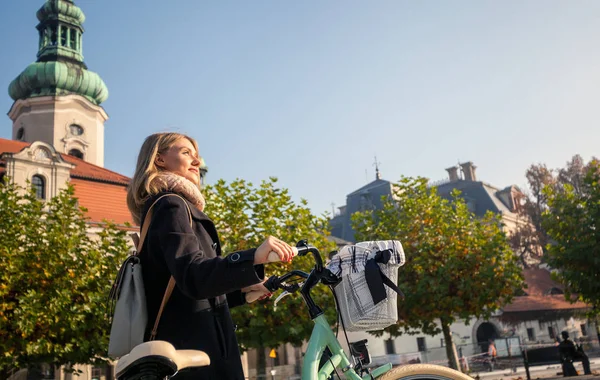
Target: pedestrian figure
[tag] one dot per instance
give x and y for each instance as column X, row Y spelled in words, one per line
column 491, row 355
column 570, row 352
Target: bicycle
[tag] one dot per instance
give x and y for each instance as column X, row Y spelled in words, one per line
column 324, row 353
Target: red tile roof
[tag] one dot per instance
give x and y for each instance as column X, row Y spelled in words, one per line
column 539, row 303
column 12, row 146
column 101, row 191
column 103, row 200
column 538, row 299
column 85, row 170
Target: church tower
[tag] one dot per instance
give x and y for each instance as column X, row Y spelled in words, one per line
column 57, row 100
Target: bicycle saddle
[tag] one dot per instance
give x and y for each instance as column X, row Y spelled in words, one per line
column 159, row 356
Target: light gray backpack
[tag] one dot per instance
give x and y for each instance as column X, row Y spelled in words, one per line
column 127, row 299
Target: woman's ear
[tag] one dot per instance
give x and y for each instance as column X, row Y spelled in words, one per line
column 158, row 161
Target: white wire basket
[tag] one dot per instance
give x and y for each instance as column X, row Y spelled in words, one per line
column 355, row 301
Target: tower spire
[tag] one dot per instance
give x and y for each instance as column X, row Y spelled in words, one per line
column 59, row 69
column 57, row 99
column 376, row 164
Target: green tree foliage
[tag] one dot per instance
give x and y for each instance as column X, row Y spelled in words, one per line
column 571, row 222
column 531, row 239
column 458, row 266
column 245, row 215
column 54, row 280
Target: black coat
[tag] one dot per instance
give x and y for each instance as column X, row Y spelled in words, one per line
column 197, row 314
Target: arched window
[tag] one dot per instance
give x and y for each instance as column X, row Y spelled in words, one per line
column 20, row 134
column 39, row 185
column 76, row 153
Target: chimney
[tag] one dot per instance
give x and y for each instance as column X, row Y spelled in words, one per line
column 468, row 170
column 452, row 173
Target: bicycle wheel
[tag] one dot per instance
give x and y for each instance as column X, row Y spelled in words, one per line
column 424, row 371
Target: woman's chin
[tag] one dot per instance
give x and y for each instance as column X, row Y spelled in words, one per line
column 194, row 179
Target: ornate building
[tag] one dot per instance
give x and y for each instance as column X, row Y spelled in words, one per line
column 58, row 121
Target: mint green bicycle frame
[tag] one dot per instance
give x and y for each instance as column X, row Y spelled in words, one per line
column 321, row 337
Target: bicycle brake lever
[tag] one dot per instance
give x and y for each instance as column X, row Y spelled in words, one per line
column 286, row 293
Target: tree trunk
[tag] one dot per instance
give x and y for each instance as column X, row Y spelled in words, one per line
column 261, row 361
column 450, row 347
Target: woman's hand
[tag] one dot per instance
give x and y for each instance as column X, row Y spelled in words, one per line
column 284, row 251
column 256, row 292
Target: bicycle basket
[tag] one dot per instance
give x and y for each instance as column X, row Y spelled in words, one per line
column 364, row 302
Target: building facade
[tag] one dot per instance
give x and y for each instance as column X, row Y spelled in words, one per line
column 536, row 317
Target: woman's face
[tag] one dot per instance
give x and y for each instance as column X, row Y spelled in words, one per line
column 182, row 159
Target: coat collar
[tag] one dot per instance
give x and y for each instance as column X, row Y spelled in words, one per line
column 196, row 213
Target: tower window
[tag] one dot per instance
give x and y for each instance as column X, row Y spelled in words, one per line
column 20, row 134
column 39, row 186
column 76, row 130
column 73, row 39
column 76, row 153
column 63, row 36
column 53, row 36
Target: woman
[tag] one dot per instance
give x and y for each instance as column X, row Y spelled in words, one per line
column 207, row 284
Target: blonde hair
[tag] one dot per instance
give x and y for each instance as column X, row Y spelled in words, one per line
column 141, row 186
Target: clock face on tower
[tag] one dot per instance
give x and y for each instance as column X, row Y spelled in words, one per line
column 76, row 130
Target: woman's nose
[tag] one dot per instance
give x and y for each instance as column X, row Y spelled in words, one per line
column 196, row 161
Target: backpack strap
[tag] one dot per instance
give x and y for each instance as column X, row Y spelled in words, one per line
column 140, row 245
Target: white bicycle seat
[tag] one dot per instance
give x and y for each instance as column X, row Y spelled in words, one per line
column 169, row 360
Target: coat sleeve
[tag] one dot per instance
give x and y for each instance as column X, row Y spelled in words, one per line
column 196, row 275
column 237, row 298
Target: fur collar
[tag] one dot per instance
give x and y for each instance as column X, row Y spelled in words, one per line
column 167, row 181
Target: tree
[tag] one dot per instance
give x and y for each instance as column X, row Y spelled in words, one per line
column 571, row 221
column 54, row 280
column 531, row 239
column 458, row 266
column 245, row 215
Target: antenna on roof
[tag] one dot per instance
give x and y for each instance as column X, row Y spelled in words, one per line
column 376, row 164
column 332, row 208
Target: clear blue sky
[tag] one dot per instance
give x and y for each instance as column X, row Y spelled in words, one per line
column 309, row 91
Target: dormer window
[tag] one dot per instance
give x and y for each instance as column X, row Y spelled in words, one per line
column 555, row 291
column 76, row 130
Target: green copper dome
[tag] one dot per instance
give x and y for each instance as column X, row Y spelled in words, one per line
column 58, row 78
column 59, row 69
column 63, row 9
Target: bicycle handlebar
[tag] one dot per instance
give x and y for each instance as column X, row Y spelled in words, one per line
column 278, row 282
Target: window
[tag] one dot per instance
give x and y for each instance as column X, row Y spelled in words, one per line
column 63, row 36
column 389, row 347
column 583, row 330
column 39, row 185
column 531, row 334
column 76, row 153
column 53, row 36
column 555, row 291
column 76, row 130
column 73, row 39
column 422, row 346
column 551, row 332
column 20, row 134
